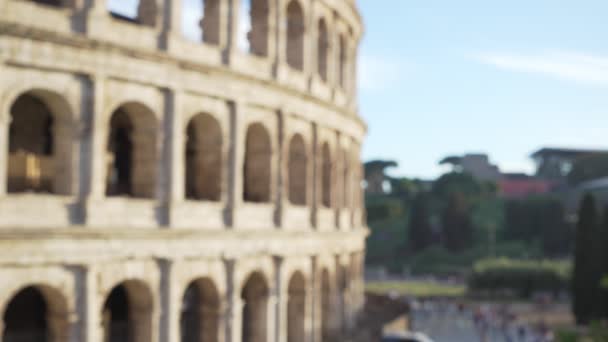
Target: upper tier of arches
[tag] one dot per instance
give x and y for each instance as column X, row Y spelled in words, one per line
column 309, row 46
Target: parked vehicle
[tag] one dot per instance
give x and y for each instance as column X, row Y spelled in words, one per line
column 406, row 337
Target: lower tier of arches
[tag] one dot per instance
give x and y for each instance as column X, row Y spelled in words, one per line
column 142, row 297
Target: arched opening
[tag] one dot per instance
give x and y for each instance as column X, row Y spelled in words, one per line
column 143, row 12
column 39, row 144
column 200, row 316
column 36, row 314
column 326, row 176
column 322, row 49
column 254, row 27
column 258, row 155
column 295, row 35
column 255, row 308
column 132, row 152
column 127, row 313
column 296, row 308
column 204, row 158
column 325, row 306
column 25, row 318
column 201, row 20
column 54, row 3
column 342, row 61
column 297, row 165
column 346, row 180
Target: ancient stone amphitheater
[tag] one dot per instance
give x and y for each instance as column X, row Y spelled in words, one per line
column 156, row 187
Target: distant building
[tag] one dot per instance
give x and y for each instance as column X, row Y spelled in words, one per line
column 478, row 165
column 556, row 163
column 521, row 185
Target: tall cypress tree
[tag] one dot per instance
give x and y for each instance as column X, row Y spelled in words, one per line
column 420, row 232
column 600, row 247
column 457, row 225
column 585, row 278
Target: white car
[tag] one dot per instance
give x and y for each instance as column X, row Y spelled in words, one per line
column 406, row 337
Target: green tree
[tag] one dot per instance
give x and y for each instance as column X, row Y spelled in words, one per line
column 586, row 278
column 457, row 226
column 589, row 167
column 455, row 182
column 420, row 231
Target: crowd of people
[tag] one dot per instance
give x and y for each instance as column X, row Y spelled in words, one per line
column 445, row 320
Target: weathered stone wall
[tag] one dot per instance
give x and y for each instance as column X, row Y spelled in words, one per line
column 78, row 243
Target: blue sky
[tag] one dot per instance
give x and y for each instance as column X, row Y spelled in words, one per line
column 500, row 77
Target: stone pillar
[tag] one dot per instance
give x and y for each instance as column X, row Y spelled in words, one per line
column 309, row 314
column 235, row 324
column 279, row 177
column 173, row 161
column 273, row 316
column 236, row 161
column 315, row 162
column 4, row 125
column 171, row 23
column 169, row 303
column 229, row 27
column 91, row 307
column 97, row 129
column 280, row 33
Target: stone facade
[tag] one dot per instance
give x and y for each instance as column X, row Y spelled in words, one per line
column 153, row 188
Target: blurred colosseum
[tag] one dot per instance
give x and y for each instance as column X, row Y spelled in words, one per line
column 160, row 187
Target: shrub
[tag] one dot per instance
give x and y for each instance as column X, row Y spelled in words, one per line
column 519, row 277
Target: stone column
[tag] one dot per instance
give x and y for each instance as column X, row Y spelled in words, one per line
column 4, row 125
column 169, row 303
column 236, row 156
column 279, row 171
column 229, row 27
column 171, row 23
column 97, row 139
column 173, row 160
column 91, row 307
column 279, row 33
column 274, row 317
column 315, row 160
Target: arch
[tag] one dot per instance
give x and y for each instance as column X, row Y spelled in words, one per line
column 297, row 165
column 255, row 308
column 127, row 313
column 255, row 19
column 342, row 61
column 200, row 313
column 143, row 12
column 296, row 308
column 36, row 313
column 53, row 3
column 322, row 49
column 132, row 155
column 325, row 306
column 295, row 35
column 257, row 167
column 203, row 158
column 326, row 179
column 40, row 144
column 201, row 20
